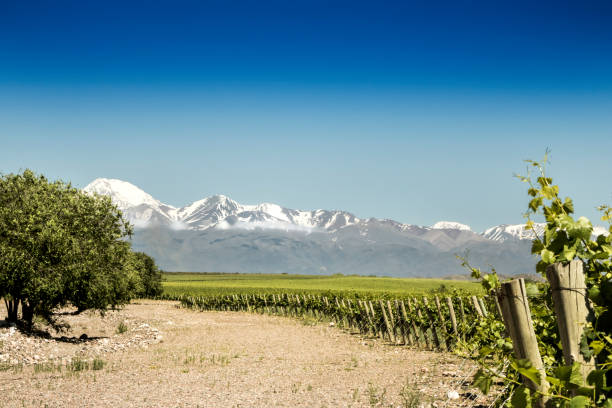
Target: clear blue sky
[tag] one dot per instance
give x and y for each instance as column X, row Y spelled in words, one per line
column 412, row 111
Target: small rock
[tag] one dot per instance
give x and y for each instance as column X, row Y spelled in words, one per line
column 452, row 395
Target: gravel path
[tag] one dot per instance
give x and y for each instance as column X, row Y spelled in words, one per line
column 171, row 357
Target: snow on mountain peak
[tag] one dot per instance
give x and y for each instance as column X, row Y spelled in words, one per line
column 451, row 225
column 222, row 212
column 505, row 231
column 123, row 194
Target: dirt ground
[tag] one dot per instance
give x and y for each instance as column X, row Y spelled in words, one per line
column 171, row 357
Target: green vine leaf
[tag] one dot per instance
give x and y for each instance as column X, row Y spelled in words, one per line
column 579, row 402
column 521, row 397
column 548, row 256
column 483, row 381
column 526, row 369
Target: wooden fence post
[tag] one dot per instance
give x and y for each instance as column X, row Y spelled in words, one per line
column 517, row 318
column 432, row 325
column 423, row 331
column 483, row 308
column 387, row 322
column 573, row 310
column 451, row 312
column 380, row 332
column 363, row 305
column 405, row 325
column 498, row 307
column 392, row 321
column 463, row 319
column 477, row 306
column 442, row 326
column 401, row 323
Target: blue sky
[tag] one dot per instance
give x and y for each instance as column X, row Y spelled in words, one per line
column 411, row 111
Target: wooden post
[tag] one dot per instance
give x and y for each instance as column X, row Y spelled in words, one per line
column 371, row 324
column 418, row 336
column 463, row 319
column 517, row 318
column 400, row 323
column 422, row 331
column 387, row 322
column 482, row 307
column 439, row 308
column 573, row 310
column 380, row 332
column 498, row 307
column 405, row 327
column 451, row 312
column 477, row 306
column 431, row 328
column 392, row 320
column 442, row 326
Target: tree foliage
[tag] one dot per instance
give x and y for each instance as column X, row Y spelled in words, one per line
column 149, row 274
column 60, row 246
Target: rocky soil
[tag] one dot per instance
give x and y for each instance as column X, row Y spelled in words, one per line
column 18, row 348
column 171, row 357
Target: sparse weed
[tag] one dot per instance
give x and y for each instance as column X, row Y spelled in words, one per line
column 77, row 364
column 375, row 397
column 47, row 367
column 14, row 367
column 97, row 364
column 122, row 328
column 410, row 395
column 190, row 359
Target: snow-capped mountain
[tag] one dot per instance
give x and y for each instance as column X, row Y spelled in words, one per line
column 451, row 225
column 217, row 211
column 504, row 232
column 140, row 208
column 222, row 212
column 220, row 234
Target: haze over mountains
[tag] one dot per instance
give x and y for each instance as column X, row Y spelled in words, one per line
column 217, row 234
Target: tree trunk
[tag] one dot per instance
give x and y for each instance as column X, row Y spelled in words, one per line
column 12, row 306
column 27, row 313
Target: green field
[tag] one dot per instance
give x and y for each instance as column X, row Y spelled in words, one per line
column 213, row 284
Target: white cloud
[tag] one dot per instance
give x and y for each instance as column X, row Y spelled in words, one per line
column 265, row 225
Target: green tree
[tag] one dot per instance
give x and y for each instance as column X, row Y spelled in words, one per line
column 60, row 246
column 150, row 275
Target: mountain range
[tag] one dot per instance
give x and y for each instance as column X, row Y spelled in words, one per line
column 217, row 234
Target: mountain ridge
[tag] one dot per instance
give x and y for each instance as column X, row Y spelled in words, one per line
column 218, row 234
column 220, row 211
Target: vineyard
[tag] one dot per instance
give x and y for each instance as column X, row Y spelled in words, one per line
column 543, row 344
column 205, row 284
column 428, row 322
